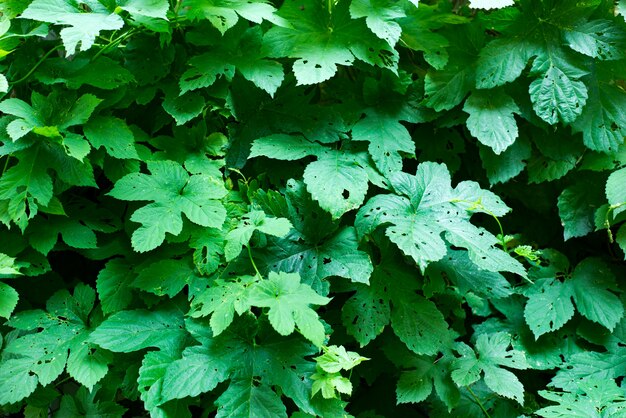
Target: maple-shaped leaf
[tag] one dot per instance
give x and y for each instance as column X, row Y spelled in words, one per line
column 426, row 209
column 224, row 14
column 82, row 27
column 490, row 354
column 320, row 41
column 594, row 397
column 254, row 221
column 41, row 356
column 173, row 192
column 221, row 300
column 590, row 366
column 314, row 248
column 380, row 18
column 289, row 303
column 237, row 50
column 50, row 117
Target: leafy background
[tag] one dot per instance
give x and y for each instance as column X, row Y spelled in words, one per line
column 368, row 208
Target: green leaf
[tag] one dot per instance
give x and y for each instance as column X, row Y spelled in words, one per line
column 556, row 96
column 445, row 89
column 379, row 16
column 174, row 192
column 225, row 58
column 600, row 39
column 253, row 221
column 597, row 397
column 549, row 306
column 113, row 134
column 285, row 147
column 318, row 47
column 491, row 119
column 590, row 285
column 603, row 120
column 502, row 61
column 128, row 331
column 185, row 107
column 288, row 301
column 511, row 162
column 82, row 27
column 224, row 14
column 149, row 8
column 242, row 399
column 164, row 277
column 113, row 285
column 493, row 352
column 348, row 188
column 429, row 208
column 615, row 191
column 195, row 373
column 336, row 358
column 103, row 73
column 420, row 325
column 8, row 299
column 387, row 138
column 577, row 205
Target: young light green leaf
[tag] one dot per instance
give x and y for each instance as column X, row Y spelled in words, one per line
column 616, row 190
column 288, row 301
column 148, row 8
column 336, row 358
column 380, row 18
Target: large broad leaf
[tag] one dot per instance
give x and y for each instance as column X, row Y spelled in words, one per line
column 288, row 301
column 321, row 41
column 253, row 221
column 427, row 209
column 81, row 27
column 224, row 14
column 490, row 354
column 549, row 306
column 491, row 119
column 174, row 192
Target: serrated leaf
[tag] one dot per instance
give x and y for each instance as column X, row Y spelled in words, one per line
column 195, row 373
column 380, row 18
column 113, row 134
column 185, row 107
column 492, row 352
column 557, row 96
column 288, row 301
column 174, row 192
column 149, row 8
column 420, row 325
column 318, row 49
column 244, row 400
column 598, row 39
column 549, row 306
column 285, row 147
column 616, row 191
column 491, row 119
column 8, row 299
column 224, row 14
column 590, row 284
column 511, row 162
column 129, row 331
column 430, row 207
column 83, row 27
column 253, row 221
column 577, row 205
column 348, row 188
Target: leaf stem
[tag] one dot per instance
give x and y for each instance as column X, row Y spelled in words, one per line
column 6, row 164
column 480, row 404
column 258, row 273
column 607, row 223
column 32, row 70
column 115, row 42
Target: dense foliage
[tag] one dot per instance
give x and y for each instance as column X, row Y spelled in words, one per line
column 369, row 208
